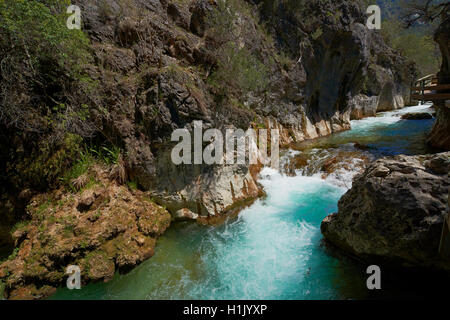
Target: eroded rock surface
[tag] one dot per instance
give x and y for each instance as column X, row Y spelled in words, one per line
column 394, row 212
column 105, row 228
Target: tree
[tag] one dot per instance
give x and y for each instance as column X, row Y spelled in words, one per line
column 41, row 72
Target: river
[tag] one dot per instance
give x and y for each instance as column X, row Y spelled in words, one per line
column 273, row 249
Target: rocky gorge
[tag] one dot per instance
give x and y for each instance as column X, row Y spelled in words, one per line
column 158, row 65
column 396, row 212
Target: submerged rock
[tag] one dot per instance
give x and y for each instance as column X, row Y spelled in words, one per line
column 394, row 212
column 417, row 116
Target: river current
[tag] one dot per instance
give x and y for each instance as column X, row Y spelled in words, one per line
column 274, row 248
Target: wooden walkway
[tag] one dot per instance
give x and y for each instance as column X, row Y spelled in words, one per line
column 428, row 89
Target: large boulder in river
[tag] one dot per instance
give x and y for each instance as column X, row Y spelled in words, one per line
column 363, row 106
column 417, row 116
column 394, row 212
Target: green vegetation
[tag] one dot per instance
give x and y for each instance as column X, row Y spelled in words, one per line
column 132, row 185
column 42, row 56
column 19, row 226
column 409, row 25
column 44, row 96
column 240, row 70
column 415, row 43
column 80, row 167
column 48, row 162
column 238, row 67
column 77, row 177
column 107, row 155
column 14, row 253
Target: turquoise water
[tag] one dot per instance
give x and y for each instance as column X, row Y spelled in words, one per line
column 385, row 134
column 273, row 250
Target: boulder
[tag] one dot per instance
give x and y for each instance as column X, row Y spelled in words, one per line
column 394, row 213
column 363, row 106
column 185, row 214
column 115, row 229
column 417, row 116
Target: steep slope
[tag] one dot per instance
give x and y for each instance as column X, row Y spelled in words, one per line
column 153, row 66
column 167, row 57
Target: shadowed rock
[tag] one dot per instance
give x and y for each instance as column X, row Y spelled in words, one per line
column 417, row 116
column 394, row 212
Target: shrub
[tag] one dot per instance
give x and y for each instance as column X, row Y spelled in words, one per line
column 44, row 92
column 406, row 41
column 238, row 68
column 47, row 164
column 41, row 63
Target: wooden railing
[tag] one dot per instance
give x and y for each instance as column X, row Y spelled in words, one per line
column 428, row 89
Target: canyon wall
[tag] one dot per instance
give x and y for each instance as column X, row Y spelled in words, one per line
column 160, row 60
column 155, row 62
column 440, row 134
column 154, row 66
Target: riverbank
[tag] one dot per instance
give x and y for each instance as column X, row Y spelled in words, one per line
column 273, row 250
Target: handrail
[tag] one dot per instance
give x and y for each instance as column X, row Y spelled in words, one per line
column 426, row 77
column 428, row 89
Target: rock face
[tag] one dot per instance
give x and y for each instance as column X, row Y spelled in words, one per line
column 440, row 134
column 151, row 68
column 389, row 98
column 417, row 116
column 346, row 61
column 152, row 61
column 394, row 212
column 363, row 106
column 102, row 229
column 203, row 190
column 306, row 99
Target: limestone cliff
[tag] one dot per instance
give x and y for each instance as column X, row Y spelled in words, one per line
column 154, row 66
column 163, row 53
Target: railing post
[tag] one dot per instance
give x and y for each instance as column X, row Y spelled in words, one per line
column 423, row 91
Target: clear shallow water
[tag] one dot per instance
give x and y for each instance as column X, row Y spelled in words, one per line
column 386, row 134
column 273, row 250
